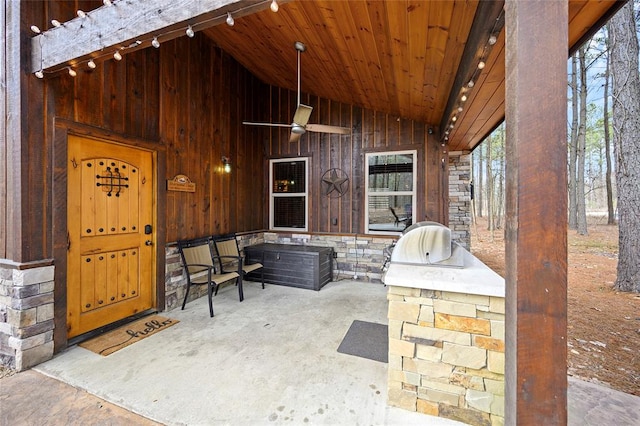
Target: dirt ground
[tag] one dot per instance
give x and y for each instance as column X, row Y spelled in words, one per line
column 603, row 324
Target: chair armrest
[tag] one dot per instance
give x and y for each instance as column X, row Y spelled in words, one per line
column 238, row 258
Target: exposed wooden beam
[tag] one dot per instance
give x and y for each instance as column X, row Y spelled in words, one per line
column 536, row 207
column 488, row 19
column 124, row 23
column 11, row 151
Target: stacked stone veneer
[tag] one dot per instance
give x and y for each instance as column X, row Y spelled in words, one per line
column 446, row 354
column 460, row 197
column 359, row 255
column 26, row 316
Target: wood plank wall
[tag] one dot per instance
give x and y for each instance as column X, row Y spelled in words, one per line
column 190, row 98
column 371, row 132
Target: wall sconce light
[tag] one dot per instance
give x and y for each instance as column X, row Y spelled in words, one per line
column 226, row 161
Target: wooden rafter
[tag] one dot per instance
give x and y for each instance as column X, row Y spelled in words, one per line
column 124, row 23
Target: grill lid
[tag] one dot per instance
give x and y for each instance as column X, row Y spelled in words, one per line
column 427, row 243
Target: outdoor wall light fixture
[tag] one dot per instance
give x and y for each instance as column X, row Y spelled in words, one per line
column 226, row 161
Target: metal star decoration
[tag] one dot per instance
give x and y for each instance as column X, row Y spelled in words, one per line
column 336, row 182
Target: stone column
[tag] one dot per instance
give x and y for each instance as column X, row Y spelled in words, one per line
column 26, row 315
column 460, row 197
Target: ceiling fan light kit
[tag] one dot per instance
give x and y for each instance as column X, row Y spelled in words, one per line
column 300, row 124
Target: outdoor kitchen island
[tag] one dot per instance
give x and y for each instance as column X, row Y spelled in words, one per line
column 446, row 331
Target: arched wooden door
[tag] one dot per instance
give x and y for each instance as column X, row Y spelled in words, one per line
column 110, row 256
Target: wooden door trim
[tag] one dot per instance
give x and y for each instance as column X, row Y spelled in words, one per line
column 61, row 130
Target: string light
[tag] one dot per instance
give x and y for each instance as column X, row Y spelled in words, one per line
column 72, row 72
column 274, row 6
column 464, row 98
column 481, row 65
column 492, row 40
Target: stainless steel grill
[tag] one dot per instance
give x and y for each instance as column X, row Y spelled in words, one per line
column 425, row 244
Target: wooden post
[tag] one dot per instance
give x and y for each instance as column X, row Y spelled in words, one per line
column 536, row 227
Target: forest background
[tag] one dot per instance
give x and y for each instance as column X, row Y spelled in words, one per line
column 603, row 132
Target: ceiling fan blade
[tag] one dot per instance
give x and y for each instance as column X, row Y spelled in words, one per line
column 251, row 123
column 295, row 137
column 301, row 117
column 323, row 128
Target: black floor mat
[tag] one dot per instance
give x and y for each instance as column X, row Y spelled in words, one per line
column 367, row 340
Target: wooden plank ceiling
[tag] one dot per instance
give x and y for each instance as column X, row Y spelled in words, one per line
column 413, row 59
column 408, row 58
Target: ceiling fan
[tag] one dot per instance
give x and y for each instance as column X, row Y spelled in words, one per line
column 300, row 124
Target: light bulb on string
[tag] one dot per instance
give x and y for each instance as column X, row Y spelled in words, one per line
column 454, row 118
column 81, row 13
column 155, row 43
column 35, row 29
column 39, row 74
column 471, row 84
column 117, row 56
column 492, row 40
column 481, row 65
column 56, row 23
column 463, row 98
column 72, row 72
column 190, row 32
column 274, row 6
column 230, row 20
column 460, row 109
column 107, row 2
column 91, row 64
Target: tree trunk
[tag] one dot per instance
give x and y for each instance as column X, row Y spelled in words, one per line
column 479, row 189
column 611, row 218
column 573, row 144
column 626, row 128
column 582, row 144
column 490, row 208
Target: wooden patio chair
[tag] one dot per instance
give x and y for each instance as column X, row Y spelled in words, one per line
column 227, row 247
column 200, row 265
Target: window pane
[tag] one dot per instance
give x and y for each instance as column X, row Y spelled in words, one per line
column 289, row 177
column 391, row 172
column 390, row 212
column 288, row 212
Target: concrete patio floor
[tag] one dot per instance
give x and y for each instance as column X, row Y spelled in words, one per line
column 269, row 360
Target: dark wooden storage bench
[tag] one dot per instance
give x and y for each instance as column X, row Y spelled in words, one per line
column 292, row 265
